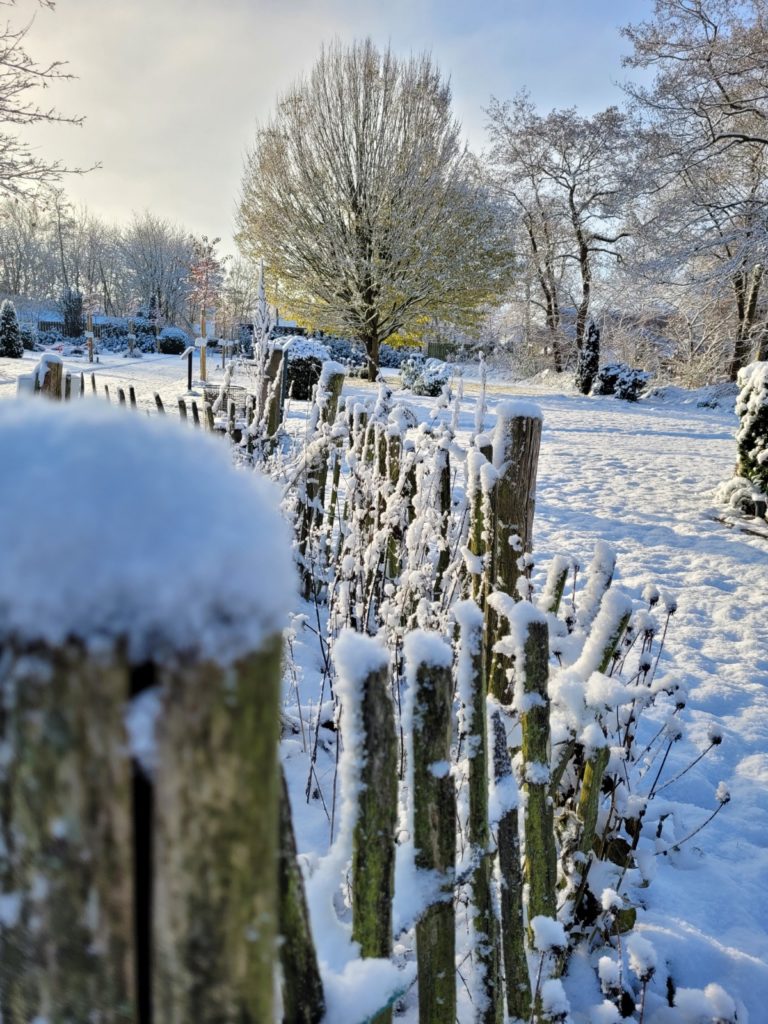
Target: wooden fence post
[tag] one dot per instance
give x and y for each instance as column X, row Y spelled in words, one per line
column 66, row 939
column 472, row 693
column 430, row 697
column 370, row 753
column 516, row 443
column 138, row 864
column 50, row 369
column 303, row 999
column 517, row 982
column 215, row 917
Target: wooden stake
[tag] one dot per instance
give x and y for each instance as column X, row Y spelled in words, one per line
column 434, row 834
column 67, row 950
column 303, row 999
column 517, row 982
column 484, row 923
column 216, row 842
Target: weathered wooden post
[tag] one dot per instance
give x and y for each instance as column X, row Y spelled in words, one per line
column 188, row 354
column 89, row 336
column 139, row 865
column 516, row 443
column 517, row 982
column 529, row 641
column 369, row 812
column 473, row 695
column 303, row 998
column 428, row 661
column 49, row 375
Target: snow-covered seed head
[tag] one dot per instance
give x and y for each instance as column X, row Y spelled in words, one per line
column 642, row 957
column 651, row 594
column 548, row 934
column 609, row 972
column 715, row 734
column 722, row 793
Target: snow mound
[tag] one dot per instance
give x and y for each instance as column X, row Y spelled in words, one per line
column 122, row 528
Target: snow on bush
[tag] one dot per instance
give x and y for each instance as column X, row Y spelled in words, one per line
column 150, row 546
column 11, row 345
column 620, row 380
column 425, row 377
column 752, row 435
column 304, row 364
column 746, row 493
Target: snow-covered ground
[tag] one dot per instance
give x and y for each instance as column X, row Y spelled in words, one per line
column 642, row 478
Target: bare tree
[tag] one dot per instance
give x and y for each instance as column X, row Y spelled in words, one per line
column 21, row 171
column 711, row 63
column 571, row 179
column 157, row 256
column 364, row 203
column 707, row 113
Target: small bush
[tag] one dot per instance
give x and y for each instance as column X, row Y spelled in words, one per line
column 349, row 353
column 752, row 436
column 425, row 377
column 48, row 338
column 304, row 364
column 173, row 341
column 28, row 337
column 393, row 358
column 620, row 380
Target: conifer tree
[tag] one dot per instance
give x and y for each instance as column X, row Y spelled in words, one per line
column 11, row 345
column 588, row 360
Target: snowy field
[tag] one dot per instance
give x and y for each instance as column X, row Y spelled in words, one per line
column 641, row 478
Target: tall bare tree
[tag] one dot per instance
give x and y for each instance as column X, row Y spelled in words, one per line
column 571, row 179
column 21, row 170
column 707, row 112
column 363, row 202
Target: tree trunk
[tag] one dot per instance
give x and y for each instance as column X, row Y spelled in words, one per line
column 372, row 344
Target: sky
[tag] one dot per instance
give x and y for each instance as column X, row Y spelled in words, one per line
column 172, row 90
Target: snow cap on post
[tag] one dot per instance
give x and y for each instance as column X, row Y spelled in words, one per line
column 506, row 411
column 132, row 530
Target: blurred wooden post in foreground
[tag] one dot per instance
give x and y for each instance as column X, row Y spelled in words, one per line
column 138, row 864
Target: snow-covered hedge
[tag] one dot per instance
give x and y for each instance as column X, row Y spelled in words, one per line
column 425, row 376
column 173, row 341
column 752, row 435
column 393, row 358
column 620, row 380
column 304, row 364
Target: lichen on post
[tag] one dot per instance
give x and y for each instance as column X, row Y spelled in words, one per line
column 472, row 694
column 368, row 771
column 516, row 444
column 428, row 661
column 96, row 802
column 517, row 983
column 528, row 643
